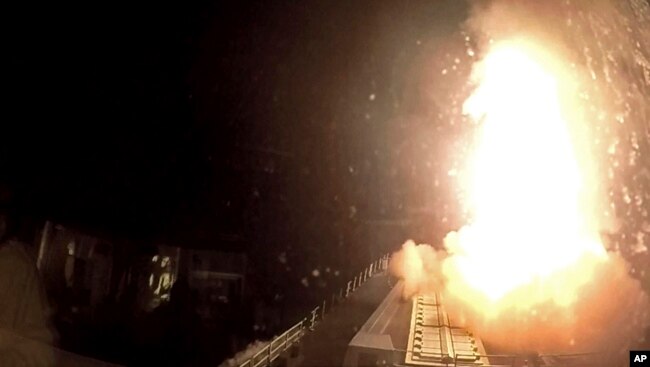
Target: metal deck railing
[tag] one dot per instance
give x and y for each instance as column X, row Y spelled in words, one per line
column 293, row 335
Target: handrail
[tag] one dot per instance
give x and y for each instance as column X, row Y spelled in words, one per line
column 282, row 342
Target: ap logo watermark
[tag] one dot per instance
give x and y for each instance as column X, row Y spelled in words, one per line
column 639, row 358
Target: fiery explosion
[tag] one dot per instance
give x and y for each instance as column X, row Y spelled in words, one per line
column 529, row 271
column 530, row 240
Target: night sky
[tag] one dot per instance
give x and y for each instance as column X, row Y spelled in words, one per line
column 272, row 123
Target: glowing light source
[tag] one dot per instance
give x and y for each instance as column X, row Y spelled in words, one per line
column 529, row 241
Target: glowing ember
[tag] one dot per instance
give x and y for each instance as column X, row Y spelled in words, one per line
column 529, row 241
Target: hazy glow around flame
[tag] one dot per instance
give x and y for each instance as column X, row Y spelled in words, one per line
column 529, row 241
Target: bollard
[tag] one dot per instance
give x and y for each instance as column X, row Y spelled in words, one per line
column 354, row 284
column 347, row 291
column 322, row 316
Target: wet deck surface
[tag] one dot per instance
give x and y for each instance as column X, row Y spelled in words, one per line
column 326, row 345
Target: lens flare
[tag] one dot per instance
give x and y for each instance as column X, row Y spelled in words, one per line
column 529, row 241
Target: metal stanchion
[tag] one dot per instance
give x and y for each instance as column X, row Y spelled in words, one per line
column 312, row 322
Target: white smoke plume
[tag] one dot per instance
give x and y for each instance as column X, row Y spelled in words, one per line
column 420, row 268
column 246, row 354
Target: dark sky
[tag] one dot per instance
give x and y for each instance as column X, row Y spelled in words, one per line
column 198, row 120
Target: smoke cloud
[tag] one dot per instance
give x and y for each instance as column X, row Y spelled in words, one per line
column 246, row 354
column 420, row 268
column 608, row 318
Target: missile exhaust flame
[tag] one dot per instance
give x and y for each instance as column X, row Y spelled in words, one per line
column 529, row 271
column 528, row 235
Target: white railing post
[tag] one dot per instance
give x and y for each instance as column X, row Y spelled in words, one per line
column 312, row 325
column 286, row 340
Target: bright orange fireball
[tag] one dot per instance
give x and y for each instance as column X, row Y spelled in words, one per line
column 530, row 240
